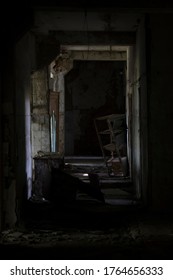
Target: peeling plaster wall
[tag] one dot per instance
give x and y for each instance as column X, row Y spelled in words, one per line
column 93, row 88
column 40, row 113
column 160, row 111
column 99, row 55
column 63, row 65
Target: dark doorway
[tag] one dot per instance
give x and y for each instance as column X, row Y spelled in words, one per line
column 92, row 89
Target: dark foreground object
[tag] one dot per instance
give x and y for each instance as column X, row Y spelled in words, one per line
column 64, row 187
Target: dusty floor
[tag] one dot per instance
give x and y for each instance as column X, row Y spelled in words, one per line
column 88, row 229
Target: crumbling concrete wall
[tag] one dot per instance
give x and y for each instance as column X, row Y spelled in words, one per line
column 59, row 68
column 40, row 112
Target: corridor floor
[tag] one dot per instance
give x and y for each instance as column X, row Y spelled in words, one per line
column 89, row 231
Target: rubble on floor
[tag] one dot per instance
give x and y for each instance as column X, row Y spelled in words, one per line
column 86, row 228
column 115, row 234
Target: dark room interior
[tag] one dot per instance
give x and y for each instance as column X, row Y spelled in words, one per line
column 85, row 123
